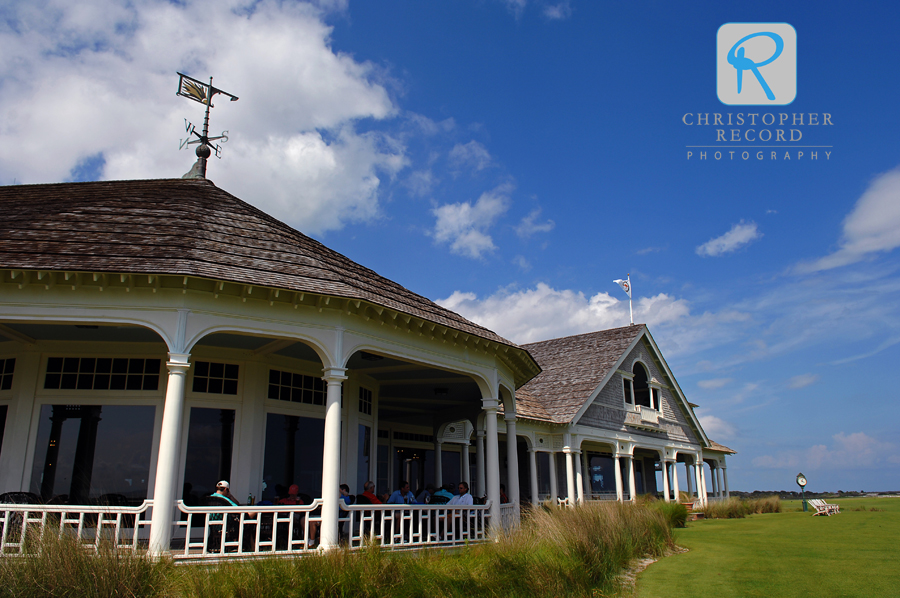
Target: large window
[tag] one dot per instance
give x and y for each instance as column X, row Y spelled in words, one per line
column 93, row 454
column 3, row 410
column 209, row 446
column 641, row 387
column 602, row 473
column 293, row 455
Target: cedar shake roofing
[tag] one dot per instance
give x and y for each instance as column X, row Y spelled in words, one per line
column 572, row 368
column 189, row 228
column 715, row 446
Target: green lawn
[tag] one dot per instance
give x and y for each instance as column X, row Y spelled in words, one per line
column 855, row 553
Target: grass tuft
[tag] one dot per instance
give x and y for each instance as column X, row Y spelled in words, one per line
column 737, row 508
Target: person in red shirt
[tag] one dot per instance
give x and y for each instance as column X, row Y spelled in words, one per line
column 369, row 492
column 293, row 498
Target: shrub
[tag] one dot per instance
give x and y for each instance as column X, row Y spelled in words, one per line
column 737, row 508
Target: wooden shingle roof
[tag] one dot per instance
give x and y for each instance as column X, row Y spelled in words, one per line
column 190, row 228
column 572, row 368
column 715, row 446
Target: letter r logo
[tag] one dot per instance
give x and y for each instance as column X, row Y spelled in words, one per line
column 756, row 64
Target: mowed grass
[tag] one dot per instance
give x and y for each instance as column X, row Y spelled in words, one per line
column 854, row 553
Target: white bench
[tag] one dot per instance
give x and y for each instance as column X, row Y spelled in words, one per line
column 822, row 507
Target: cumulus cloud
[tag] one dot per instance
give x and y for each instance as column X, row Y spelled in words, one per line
column 873, row 226
column 420, row 182
column 523, row 264
column 540, row 313
column 465, row 225
column 97, row 80
column 716, row 428
column 714, row 383
column 558, row 12
column 472, row 155
column 857, row 450
column 529, row 225
column 803, row 380
column 740, row 235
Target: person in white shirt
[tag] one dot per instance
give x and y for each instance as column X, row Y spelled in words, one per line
column 463, row 498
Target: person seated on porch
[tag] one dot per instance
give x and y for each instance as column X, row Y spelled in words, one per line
column 503, row 497
column 425, row 496
column 443, row 495
column 223, row 489
column 217, row 521
column 402, row 496
column 344, row 489
column 463, row 498
column 369, row 492
column 293, row 498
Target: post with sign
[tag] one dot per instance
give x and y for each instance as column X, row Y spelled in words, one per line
column 801, row 481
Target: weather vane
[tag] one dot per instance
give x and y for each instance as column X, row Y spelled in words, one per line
column 199, row 91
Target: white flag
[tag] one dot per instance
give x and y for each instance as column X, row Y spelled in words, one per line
column 626, row 286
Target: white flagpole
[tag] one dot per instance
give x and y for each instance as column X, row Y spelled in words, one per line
column 630, row 307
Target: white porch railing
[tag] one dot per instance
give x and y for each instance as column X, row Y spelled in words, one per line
column 415, row 526
column 510, row 516
column 649, row 415
column 126, row 528
column 217, row 533
column 605, row 496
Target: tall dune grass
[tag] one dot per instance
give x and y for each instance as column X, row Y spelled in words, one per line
column 558, row 552
column 737, row 508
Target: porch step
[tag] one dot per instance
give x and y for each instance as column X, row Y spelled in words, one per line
column 696, row 516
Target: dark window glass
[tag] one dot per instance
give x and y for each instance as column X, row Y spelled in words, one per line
column 87, row 454
column 216, row 378
column 104, row 365
column 54, row 364
column 70, row 364
column 117, row 382
column 6, row 373
column 209, row 446
column 364, row 445
column 293, row 455
column 3, row 410
column 298, row 388
column 78, row 374
column 120, row 366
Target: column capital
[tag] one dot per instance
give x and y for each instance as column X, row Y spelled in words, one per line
column 334, row 374
column 179, row 362
column 490, row 404
column 479, row 433
column 510, row 418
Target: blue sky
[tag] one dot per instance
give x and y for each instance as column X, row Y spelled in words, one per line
column 509, row 159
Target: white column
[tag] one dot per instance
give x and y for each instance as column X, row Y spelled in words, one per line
column 570, row 477
column 675, row 490
column 464, row 455
column 13, row 475
column 632, row 487
column 492, row 456
column 331, row 459
column 725, row 481
column 579, row 479
column 165, row 491
column 687, row 481
column 554, row 483
column 438, row 464
column 512, row 459
column 665, row 477
column 714, row 480
column 532, row 463
column 480, row 489
column 703, row 485
column 698, row 481
column 619, row 492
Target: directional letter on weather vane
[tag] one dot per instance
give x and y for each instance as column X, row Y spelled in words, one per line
column 203, row 93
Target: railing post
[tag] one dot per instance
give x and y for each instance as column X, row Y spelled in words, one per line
column 164, row 491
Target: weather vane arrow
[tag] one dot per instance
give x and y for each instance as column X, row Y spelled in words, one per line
column 201, row 92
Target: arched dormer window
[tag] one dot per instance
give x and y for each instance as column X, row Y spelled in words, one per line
column 641, row 388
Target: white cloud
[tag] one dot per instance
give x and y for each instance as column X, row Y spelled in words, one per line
column 528, row 226
column 472, row 154
column 857, row 450
column 523, row 264
column 740, row 234
column 420, row 182
column 803, row 380
column 714, row 383
column 558, row 12
column 465, row 225
column 541, row 313
column 873, row 226
column 99, row 78
column 515, row 6
column 716, row 428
